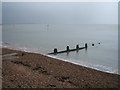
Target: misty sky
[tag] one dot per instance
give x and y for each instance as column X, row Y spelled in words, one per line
column 0, row 13
column 60, row 13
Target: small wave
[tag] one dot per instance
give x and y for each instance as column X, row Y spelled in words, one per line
column 96, row 67
column 104, row 68
column 14, row 47
column 4, row 44
column 7, row 45
column 0, row 44
column 20, row 48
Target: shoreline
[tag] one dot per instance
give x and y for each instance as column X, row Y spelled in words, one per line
column 64, row 60
column 62, row 71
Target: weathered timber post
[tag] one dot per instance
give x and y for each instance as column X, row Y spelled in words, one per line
column 67, row 48
column 77, row 46
column 92, row 44
column 86, row 45
column 55, row 50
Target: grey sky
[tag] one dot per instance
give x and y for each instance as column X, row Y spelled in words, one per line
column 0, row 13
column 60, row 13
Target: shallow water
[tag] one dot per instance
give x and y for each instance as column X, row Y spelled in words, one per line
column 44, row 38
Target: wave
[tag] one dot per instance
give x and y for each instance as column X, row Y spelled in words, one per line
column 4, row 44
column 18, row 47
column 88, row 65
column 0, row 44
column 104, row 68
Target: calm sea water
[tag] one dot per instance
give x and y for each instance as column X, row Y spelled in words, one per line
column 43, row 38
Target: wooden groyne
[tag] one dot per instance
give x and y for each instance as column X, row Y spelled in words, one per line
column 69, row 50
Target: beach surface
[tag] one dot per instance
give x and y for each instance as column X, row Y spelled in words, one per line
column 30, row 70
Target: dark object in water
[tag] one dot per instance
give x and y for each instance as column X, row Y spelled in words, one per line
column 67, row 48
column 55, row 50
column 86, row 45
column 92, row 44
column 98, row 43
column 77, row 46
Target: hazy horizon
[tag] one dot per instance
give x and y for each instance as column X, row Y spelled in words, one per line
column 59, row 13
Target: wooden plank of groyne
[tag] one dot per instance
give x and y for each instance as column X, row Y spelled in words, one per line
column 68, row 49
column 65, row 51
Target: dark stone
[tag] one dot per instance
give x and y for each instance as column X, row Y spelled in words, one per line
column 51, row 85
column 3, row 74
column 62, row 79
column 44, row 71
column 37, row 68
column 87, row 86
column 20, row 62
column 65, row 78
column 19, row 86
column 75, row 84
column 22, row 54
column 11, row 80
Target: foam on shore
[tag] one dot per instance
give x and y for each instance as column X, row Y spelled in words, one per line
column 96, row 67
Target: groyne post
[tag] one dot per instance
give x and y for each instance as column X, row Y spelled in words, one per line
column 86, row 45
column 55, row 50
column 67, row 48
column 92, row 44
column 77, row 46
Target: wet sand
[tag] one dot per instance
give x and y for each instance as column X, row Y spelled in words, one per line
column 30, row 70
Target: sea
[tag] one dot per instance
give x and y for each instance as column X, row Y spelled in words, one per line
column 43, row 38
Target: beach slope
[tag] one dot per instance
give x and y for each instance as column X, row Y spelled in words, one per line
column 30, row 70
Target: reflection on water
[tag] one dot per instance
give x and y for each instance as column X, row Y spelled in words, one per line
column 103, row 55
